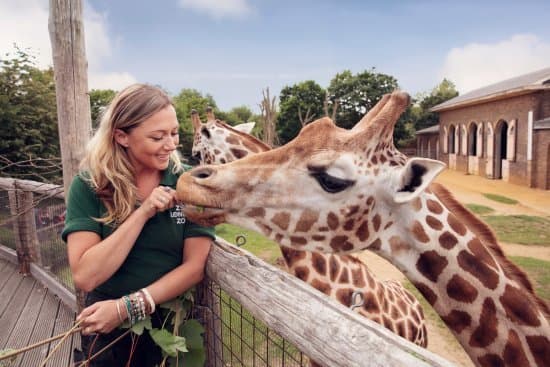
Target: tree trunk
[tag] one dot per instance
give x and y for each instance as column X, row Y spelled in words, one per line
column 71, row 84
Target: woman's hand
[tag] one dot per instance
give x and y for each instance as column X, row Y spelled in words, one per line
column 101, row 317
column 160, row 199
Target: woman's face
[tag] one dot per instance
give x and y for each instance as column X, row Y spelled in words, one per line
column 149, row 145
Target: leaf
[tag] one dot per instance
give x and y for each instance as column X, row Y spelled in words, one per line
column 169, row 343
column 7, row 362
column 139, row 326
column 193, row 358
column 192, row 330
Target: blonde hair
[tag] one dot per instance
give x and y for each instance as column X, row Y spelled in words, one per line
column 111, row 173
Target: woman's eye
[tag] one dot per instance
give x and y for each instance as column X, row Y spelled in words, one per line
column 330, row 183
column 156, row 138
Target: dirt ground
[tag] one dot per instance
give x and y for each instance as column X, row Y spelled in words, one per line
column 468, row 189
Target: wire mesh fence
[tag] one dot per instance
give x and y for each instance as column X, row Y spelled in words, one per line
column 235, row 338
column 37, row 220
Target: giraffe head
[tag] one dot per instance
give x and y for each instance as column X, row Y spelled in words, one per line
column 321, row 191
column 215, row 142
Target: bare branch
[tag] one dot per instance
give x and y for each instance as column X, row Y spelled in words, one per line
column 304, row 120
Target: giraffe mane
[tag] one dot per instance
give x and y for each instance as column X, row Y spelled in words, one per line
column 486, row 235
column 244, row 135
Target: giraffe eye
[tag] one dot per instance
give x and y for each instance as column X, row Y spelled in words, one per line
column 330, row 183
column 205, row 132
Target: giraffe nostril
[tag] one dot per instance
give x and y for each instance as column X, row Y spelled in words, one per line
column 202, row 173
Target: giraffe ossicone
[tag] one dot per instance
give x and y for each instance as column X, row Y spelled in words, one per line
column 338, row 276
column 337, row 190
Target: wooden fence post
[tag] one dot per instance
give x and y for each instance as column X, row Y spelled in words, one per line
column 24, row 227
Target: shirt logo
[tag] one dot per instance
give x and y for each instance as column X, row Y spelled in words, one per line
column 177, row 213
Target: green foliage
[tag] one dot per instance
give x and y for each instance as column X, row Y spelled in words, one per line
column 521, row 229
column 169, row 343
column 421, row 113
column 184, row 102
column 357, row 94
column 28, row 116
column 479, row 209
column 180, row 337
column 539, row 273
column 500, row 198
column 303, row 100
column 237, row 115
column 99, row 99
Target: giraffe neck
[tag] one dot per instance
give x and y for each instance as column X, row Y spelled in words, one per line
column 483, row 298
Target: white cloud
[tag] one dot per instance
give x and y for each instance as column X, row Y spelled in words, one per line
column 477, row 65
column 25, row 23
column 218, row 8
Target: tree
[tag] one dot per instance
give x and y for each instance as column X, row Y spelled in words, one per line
column 99, row 99
column 184, row 102
column 29, row 147
column 299, row 104
column 422, row 115
column 357, row 94
column 237, row 115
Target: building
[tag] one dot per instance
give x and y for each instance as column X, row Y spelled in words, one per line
column 501, row 131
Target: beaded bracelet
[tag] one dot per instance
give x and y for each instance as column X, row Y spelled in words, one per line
column 138, row 306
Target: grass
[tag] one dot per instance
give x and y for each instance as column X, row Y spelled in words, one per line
column 247, row 341
column 520, row 229
column 479, row 209
column 255, row 243
column 500, row 198
column 539, row 273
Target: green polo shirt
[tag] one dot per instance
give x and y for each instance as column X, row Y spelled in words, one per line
column 158, row 248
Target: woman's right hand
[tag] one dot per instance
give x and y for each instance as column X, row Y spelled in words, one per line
column 101, row 317
column 160, row 199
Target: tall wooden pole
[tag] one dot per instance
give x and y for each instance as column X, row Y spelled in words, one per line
column 71, row 86
column 71, row 83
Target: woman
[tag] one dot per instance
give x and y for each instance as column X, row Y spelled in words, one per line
column 128, row 244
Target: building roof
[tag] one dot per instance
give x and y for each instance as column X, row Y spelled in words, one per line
column 522, row 84
column 542, row 124
column 429, row 130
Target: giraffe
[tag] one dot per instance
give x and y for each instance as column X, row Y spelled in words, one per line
column 384, row 302
column 337, row 190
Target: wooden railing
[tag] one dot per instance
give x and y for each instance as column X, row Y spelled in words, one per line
column 318, row 326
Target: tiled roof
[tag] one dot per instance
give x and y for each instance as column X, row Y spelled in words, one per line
column 429, row 130
column 519, row 85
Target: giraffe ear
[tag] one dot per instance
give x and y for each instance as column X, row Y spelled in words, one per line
column 417, row 174
column 245, row 128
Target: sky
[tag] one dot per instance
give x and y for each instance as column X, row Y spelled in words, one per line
column 233, row 49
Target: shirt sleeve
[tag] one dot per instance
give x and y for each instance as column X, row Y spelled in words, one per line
column 194, row 230
column 82, row 207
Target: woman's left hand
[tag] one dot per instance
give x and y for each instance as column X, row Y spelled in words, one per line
column 101, row 317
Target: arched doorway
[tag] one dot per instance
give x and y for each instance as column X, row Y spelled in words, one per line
column 472, row 139
column 452, row 139
column 501, row 146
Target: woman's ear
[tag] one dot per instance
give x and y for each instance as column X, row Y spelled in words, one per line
column 121, row 138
